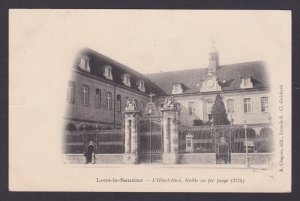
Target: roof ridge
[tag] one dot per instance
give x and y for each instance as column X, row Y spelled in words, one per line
column 191, row 69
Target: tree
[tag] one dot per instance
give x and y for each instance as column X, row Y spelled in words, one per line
column 219, row 114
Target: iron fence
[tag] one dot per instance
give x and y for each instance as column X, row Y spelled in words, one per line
column 104, row 141
column 205, row 139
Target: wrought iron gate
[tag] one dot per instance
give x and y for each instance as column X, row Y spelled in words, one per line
column 151, row 136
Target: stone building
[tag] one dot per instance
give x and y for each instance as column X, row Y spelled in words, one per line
column 104, row 96
column 100, row 86
column 98, row 89
column 244, row 88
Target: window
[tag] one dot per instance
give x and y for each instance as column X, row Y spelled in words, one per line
column 85, row 94
column 209, row 106
column 264, row 104
column 71, row 87
column 126, row 99
column 109, row 100
column 98, row 98
column 142, row 105
column 192, row 109
column 108, row 72
column 246, row 83
column 177, row 89
column 230, row 105
column 119, row 105
column 84, row 63
column 247, row 105
column 126, row 80
column 141, row 86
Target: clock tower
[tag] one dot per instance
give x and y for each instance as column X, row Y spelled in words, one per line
column 211, row 82
column 213, row 59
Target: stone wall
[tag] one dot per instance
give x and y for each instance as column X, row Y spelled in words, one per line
column 254, row 158
column 205, row 158
column 109, row 159
column 192, row 158
column 99, row 158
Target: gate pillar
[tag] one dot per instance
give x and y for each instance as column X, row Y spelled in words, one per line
column 170, row 113
column 131, row 135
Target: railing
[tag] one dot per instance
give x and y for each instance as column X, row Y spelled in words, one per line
column 205, row 139
column 103, row 141
column 232, row 142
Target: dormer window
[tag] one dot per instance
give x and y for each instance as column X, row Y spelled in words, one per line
column 108, row 72
column 84, row 64
column 141, row 85
column 177, row 89
column 246, row 83
column 126, row 80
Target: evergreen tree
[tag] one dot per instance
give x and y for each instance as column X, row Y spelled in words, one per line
column 219, row 114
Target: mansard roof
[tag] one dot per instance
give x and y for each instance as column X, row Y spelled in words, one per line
column 229, row 77
column 97, row 63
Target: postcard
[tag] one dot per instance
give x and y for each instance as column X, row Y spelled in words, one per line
column 150, row 100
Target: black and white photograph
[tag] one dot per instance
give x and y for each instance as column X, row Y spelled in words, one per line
column 150, row 100
column 214, row 115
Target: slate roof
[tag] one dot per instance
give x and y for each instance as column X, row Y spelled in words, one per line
column 97, row 62
column 191, row 79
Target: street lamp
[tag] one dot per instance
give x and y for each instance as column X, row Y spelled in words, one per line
column 246, row 141
column 230, row 144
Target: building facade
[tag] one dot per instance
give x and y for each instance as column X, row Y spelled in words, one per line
column 117, row 115
column 98, row 90
column 100, row 86
column 243, row 87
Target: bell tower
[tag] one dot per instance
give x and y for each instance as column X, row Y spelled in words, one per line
column 211, row 81
column 213, row 59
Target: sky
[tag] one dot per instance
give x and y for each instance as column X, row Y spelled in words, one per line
column 43, row 44
column 154, row 41
column 151, row 41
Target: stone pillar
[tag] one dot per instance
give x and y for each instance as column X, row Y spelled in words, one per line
column 170, row 118
column 84, row 159
column 189, row 145
column 131, row 137
column 166, row 135
column 127, row 143
column 93, row 158
column 134, row 142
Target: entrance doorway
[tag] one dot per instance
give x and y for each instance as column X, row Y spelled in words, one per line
column 151, row 140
